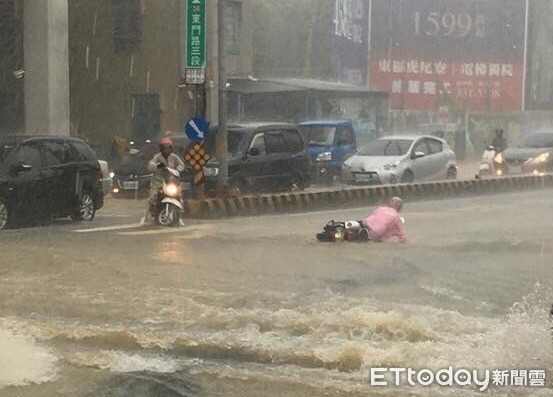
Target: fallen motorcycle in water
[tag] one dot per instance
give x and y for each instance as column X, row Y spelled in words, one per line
column 335, row 231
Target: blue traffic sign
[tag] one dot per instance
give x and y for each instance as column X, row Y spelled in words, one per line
column 196, row 128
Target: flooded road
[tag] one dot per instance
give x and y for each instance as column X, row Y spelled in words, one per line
column 256, row 307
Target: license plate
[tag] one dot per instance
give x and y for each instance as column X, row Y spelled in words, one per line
column 484, row 167
column 363, row 178
column 515, row 169
column 130, row 185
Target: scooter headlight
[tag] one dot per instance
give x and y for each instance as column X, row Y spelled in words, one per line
column 339, row 234
column 171, row 190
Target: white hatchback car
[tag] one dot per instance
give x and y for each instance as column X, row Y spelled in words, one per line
column 401, row 158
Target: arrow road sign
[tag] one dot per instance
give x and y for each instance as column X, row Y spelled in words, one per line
column 196, row 129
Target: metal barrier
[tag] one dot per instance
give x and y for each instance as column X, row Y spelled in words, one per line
column 354, row 197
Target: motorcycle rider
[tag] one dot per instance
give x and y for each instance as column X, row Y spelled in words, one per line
column 385, row 222
column 164, row 159
column 499, row 142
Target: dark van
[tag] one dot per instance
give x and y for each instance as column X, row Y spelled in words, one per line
column 43, row 177
column 262, row 157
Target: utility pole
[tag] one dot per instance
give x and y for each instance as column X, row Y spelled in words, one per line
column 222, row 147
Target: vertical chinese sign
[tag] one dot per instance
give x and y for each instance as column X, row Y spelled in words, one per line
column 195, row 43
column 349, row 41
column 469, row 53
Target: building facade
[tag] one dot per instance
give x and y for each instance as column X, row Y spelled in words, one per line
column 122, row 60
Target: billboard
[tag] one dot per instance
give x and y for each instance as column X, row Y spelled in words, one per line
column 350, row 41
column 434, row 53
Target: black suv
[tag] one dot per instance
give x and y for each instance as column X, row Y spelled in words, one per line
column 262, row 157
column 43, row 177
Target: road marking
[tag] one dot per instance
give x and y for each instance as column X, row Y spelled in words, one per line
column 113, row 216
column 108, row 228
column 195, row 228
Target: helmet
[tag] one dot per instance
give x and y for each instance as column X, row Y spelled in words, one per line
column 397, row 203
column 165, row 141
column 166, row 146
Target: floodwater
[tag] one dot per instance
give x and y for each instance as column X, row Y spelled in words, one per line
column 256, row 307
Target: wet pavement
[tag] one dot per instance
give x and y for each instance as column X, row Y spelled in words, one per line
column 255, row 306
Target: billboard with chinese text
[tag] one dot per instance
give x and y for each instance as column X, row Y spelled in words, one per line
column 349, row 41
column 430, row 53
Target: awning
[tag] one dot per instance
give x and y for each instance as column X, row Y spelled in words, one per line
column 267, row 86
column 243, row 86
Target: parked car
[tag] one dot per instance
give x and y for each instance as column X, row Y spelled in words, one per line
column 533, row 154
column 262, row 157
column 43, row 177
column 131, row 176
column 401, row 158
column 329, row 143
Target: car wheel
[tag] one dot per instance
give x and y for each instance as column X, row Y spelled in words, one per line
column 408, row 177
column 296, row 184
column 237, row 187
column 87, row 209
column 4, row 215
column 451, row 173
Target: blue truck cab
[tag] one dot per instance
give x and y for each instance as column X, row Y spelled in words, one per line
column 329, row 143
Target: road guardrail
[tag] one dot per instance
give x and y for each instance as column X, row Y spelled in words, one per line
column 306, row 201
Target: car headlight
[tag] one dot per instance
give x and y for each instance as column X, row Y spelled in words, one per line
column 391, row 166
column 211, row 171
column 171, row 190
column 542, row 158
column 499, row 158
column 111, row 175
column 326, row 156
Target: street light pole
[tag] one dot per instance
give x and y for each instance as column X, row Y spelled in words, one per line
column 222, row 147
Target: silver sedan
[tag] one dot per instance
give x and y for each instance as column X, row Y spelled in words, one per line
column 401, row 158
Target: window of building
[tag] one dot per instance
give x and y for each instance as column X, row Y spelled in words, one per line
column 127, row 24
column 233, row 21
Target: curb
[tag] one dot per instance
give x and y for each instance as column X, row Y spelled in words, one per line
column 353, row 197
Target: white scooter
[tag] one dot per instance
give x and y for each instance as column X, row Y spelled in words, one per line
column 487, row 166
column 168, row 209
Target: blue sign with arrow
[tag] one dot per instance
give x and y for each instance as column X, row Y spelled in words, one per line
column 196, row 128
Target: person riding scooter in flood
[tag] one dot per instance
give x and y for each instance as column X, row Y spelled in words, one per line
column 488, row 162
column 164, row 159
column 385, row 222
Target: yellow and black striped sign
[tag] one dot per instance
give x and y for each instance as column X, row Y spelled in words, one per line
column 197, row 157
